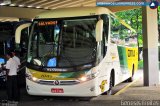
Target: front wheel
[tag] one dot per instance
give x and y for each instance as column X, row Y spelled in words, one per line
column 109, row 92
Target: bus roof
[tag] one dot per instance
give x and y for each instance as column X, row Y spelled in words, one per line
column 74, row 12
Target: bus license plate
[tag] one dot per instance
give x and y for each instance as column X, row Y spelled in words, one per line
column 57, row 90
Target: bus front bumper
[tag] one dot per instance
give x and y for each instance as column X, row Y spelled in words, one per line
column 85, row 89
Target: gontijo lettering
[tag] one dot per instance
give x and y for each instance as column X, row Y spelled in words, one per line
column 131, row 53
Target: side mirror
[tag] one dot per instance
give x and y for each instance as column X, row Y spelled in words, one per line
column 99, row 30
column 18, row 32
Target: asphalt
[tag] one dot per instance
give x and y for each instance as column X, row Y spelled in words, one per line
column 125, row 94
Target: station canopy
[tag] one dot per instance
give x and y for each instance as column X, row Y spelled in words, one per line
column 29, row 8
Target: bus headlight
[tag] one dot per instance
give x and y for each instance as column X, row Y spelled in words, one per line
column 30, row 77
column 83, row 78
column 91, row 75
column 34, row 78
column 28, row 74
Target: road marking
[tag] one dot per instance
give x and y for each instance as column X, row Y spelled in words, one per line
column 122, row 90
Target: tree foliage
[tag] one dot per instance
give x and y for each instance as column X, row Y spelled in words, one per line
column 134, row 19
column 158, row 15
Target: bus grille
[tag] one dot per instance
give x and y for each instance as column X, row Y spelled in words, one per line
column 59, row 82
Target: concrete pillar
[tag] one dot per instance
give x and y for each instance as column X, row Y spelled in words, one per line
column 150, row 46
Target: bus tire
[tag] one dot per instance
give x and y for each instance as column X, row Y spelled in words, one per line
column 132, row 77
column 111, row 83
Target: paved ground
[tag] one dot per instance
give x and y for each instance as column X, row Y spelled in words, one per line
column 134, row 94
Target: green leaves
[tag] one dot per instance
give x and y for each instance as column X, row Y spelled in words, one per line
column 134, row 19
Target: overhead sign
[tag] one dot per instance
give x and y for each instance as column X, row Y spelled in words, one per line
column 152, row 3
column 47, row 23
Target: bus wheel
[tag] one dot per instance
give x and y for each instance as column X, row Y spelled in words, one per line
column 109, row 92
column 131, row 78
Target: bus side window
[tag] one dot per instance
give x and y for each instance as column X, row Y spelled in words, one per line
column 115, row 31
column 131, row 40
column 127, row 37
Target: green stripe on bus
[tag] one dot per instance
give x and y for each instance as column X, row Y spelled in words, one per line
column 123, row 57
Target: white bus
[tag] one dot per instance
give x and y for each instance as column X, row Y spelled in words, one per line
column 80, row 52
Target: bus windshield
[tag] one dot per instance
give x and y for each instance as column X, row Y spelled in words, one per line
column 62, row 43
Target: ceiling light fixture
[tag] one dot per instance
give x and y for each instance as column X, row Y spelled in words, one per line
column 2, row 4
column 5, row 2
column 38, row 7
column 21, row 5
column 12, row 4
column 30, row 6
